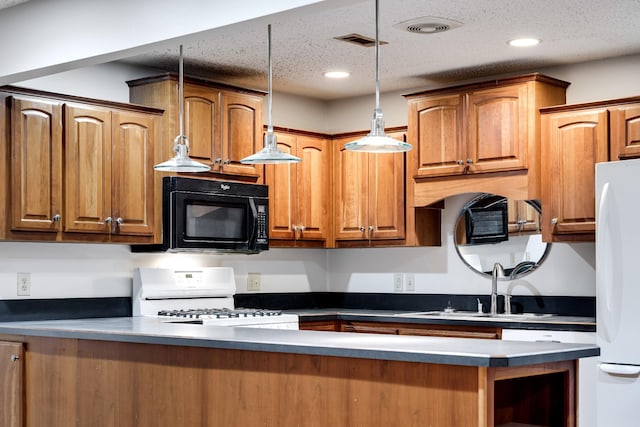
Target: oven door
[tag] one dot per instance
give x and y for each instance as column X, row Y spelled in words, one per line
column 225, row 223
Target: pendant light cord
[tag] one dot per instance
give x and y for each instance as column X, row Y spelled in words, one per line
column 377, row 56
column 269, row 83
column 180, row 95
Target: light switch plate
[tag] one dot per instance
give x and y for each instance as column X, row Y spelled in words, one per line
column 410, row 282
column 253, row 282
column 398, row 282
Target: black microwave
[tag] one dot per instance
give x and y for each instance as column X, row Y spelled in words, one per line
column 219, row 216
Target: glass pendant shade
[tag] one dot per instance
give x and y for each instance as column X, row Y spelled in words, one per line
column 181, row 162
column 270, row 154
column 377, row 141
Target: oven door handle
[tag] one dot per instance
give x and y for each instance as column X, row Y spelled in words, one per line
column 254, row 230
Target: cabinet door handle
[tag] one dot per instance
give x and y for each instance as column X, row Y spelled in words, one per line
column 469, row 161
column 226, row 162
column 362, row 229
column 108, row 220
column 370, row 228
column 56, row 218
column 15, row 357
column 460, row 162
column 218, row 161
column 554, row 221
column 119, row 220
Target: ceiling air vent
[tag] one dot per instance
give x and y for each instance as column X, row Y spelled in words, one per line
column 427, row 25
column 360, row 40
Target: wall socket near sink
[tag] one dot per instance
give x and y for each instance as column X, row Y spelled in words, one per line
column 253, row 282
column 24, row 284
column 404, row 282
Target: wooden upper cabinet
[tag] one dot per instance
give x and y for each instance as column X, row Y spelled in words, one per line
column 479, row 137
column 88, row 169
column 369, row 194
column 12, row 390
column 36, row 164
column 79, row 169
column 625, row 131
column 497, row 129
column 241, row 133
column 132, row 203
column 481, row 131
column 108, row 164
column 574, row 142
column 223, row 124
column 313, row 177
column 438, row 125
column 351, row 192
column 201, row 122
column 299, row 193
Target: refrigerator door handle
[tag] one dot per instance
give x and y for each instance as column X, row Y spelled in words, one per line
column 610, row 368
column 608, row 288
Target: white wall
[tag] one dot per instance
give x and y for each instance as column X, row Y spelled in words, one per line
column 39, row 38
column 62, row 270
column 568, row 270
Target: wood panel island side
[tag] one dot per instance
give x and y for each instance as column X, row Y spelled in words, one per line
column 140, row 372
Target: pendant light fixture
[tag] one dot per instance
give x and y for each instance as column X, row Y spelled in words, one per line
column 181, row 162
column 270, row 154
column 377, row 141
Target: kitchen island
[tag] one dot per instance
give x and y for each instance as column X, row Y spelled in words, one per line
column 140, row 372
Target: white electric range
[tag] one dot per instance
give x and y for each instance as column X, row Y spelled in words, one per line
column 200, row 295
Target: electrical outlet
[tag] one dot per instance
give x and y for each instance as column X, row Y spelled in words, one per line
column 24, row 284
column 410, row 282
column 398, row 282
column 253, row 281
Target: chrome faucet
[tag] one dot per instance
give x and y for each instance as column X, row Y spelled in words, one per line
column 498, row 271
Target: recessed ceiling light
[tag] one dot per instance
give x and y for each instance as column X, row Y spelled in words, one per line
column 337, row 74
column 523, row 42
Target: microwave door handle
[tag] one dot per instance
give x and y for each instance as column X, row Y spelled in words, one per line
column 254, row 229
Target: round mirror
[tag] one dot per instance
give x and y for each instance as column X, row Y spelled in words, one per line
column 493, row 229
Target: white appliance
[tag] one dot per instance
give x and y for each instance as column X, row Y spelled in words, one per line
column 201, row 295
column 618, row 292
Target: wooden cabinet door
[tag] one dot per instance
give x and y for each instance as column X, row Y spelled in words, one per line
column 241, row 133
column 575, row 142
column 132, row 166
column 281, row 180
column 625, row 132
column 87, row 169
column 497, row 129
column 12, row 384
column 298, row 193
column 437, row 135
column 312, row 188
column 386, row 195
column 351, row 186
column 201, row 123
column 36, row 164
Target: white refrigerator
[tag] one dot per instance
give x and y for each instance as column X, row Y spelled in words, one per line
column 618, row 293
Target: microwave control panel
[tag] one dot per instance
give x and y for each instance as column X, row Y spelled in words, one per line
column 262, row 235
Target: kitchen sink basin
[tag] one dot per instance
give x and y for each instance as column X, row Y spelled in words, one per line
column 445, row 313
column 458, row 314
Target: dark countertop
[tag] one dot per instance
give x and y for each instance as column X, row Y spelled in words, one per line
column 452, row 351
column 548, row 322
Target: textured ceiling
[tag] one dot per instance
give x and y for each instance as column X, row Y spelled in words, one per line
column 303, row 44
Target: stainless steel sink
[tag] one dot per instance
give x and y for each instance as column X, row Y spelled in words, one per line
column 458, row 314
column 445, row 313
